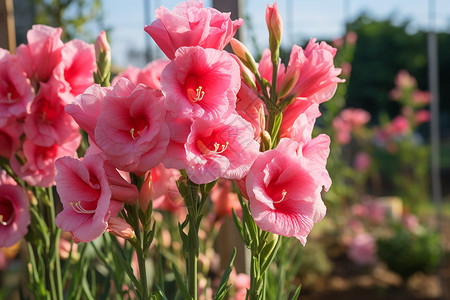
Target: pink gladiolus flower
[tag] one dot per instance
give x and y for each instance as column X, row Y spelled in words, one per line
column 44, row 46
column 48, row 124
column 318, row 77
column 363, row 249
column 265, row 67
column 410, row 222
column 77, row 66
column 362, row 161
column 130, row 129
column 221, row 148
column 421, row 97
column 224, row 199
column 120, row 228
column 250, row 107
column 16, row 92
column 355, row 117
column 102, row 44
column 87, row 195
column 166, row 194
column 422, row 116
column 10, row 137
column 300, row 128
column 351, row 37
column 274, row 22
column 284, row 186
column 150, row 75
column 398, row 126
column 241, row 283
column 405, row 80
column 87, row 107
column 343, row 130
column 36, row 164
column 14, row 213
column 189, row 24
column 201, row 83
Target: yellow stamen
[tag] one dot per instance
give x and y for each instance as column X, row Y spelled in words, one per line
column 203, row 149
column 284, row 193
column 224, row 147
column 132, row 133
column 199, row 95
column 79, row 209
column 2, row 222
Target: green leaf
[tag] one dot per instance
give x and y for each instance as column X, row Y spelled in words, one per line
column 223, row 287
column 182, row 286
column 126, row 265
column 297, row 293
column 161, row 293
column 266, row 263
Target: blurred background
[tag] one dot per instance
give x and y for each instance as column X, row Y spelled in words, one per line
column 387, row 231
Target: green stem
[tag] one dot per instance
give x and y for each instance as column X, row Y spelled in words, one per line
column 143, row 274
column 193, row 260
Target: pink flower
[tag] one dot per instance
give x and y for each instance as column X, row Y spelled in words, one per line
column 363, row 249
column 16, row 92
column 343, row 130
column 131, row 130
column 351, row 37
column 77, row 66
column 298, row 121
column 274, row 22
column 404, row 80
column 422, row 116
column 189, row 24
column 150, row 75
column 14, row 213
column 120, row 228
column 410, row 222
column 250, row 107
column 87, row 195
column 201, row 83
column 221, row 148
column 356, row 117
column 44, row 46
column 36, row 164
column 398, row 126
column 318, row 77
column 224, row 199
column 166, row 195
column 48, row 124
column 362, row 161
column 420, row 98
column 241, row 283
column 102, row 44
column 284, row 186
column 10, row 135
column 265, row 67
column 87, row 107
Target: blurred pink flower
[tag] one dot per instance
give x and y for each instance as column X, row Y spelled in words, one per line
column 362, row 249
column 131, row 130
column 404, row 80
column 14, row 213
column 284, row 186
column 356, row 117
column 343, row 130
column 362, row 161
column 398, row 126
column 370, row 210
column 421, row 97
column 410, row 222
column 241, row 283
column 201, row 83
column 351, row 37
column 189, row 24
column 422, row 116
column 87, row 198
column 16, row 92
column 150, row 75
column 166, row 195
column 224, row 199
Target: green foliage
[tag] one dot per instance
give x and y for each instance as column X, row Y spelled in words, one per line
column 70, row 15
column 407, row 252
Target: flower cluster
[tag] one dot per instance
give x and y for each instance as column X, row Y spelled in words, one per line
column 195, row 112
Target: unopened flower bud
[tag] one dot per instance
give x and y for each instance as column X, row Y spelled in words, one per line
column 146, row 193
column 120, row 228
column 244, row 54
column 246, row 75
column 101, row 44
column 274, row 23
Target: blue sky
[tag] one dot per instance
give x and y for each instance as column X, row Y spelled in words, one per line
column 323, row 19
